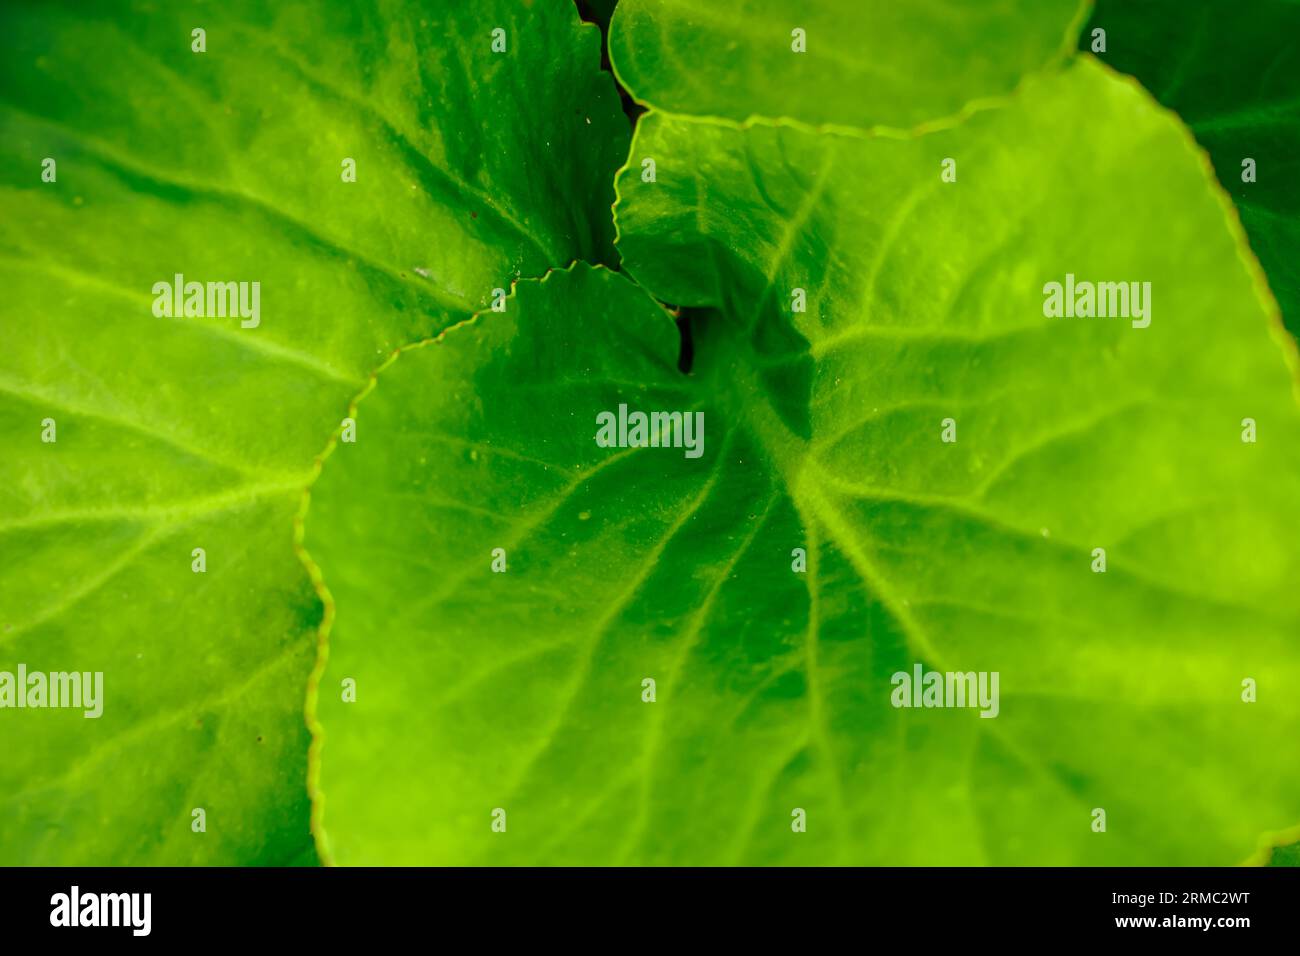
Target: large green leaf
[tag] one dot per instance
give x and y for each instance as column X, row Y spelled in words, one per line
column 863, row 63
column 1232, row 72
column 522, row 690
column 180, row 433
column 1234, row 76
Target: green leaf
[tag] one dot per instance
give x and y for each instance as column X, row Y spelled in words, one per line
column 181, row 433
column 864, row 62
column 1233, row 75
column 522, row 690
column 1286, row 856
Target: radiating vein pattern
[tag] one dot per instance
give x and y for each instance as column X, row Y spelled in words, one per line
column 375, row 172
column 627, row 655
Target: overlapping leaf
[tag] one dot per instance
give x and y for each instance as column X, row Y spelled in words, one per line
column 1232, row 72
column 522, row 691
column 864, row 63
column 181, row 433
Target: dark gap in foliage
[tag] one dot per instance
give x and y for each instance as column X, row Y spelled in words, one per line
column 686, row 357
column 599, row 12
